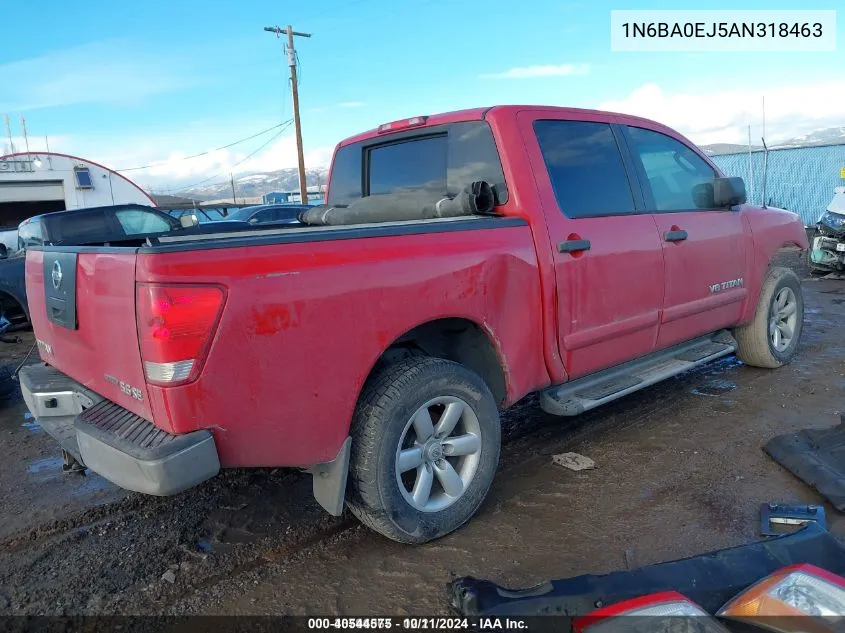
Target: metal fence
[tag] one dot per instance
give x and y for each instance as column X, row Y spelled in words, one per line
column 799, row 179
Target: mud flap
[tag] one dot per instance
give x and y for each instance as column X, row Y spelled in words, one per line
column 709, row 580
column 329, row 480
column 816, row 457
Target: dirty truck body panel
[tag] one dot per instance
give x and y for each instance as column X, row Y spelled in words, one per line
column 602, row 251
column 302, row 326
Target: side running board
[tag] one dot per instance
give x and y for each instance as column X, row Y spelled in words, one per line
column 583, row 394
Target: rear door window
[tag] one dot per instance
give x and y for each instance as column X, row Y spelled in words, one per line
column 265, row 215
column 585, row 167
column 673, row 171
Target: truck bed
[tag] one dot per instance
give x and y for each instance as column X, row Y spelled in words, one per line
column 308, row 311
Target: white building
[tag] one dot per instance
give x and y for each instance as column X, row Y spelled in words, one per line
column 39, row 182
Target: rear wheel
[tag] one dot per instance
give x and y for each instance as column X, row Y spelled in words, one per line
column 425, row 447
column 771, row 339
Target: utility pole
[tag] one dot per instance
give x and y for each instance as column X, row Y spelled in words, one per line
column 232, row 180
column 303, row 187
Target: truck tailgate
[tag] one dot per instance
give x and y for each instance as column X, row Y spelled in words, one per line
column 82, row 308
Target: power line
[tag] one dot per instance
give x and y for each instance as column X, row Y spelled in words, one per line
column 206, row 152
column 240, row 162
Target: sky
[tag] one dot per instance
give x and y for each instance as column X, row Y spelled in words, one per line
column 130, row 84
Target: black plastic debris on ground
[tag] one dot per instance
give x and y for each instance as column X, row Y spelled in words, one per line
column 816, row 457
column 709, row 580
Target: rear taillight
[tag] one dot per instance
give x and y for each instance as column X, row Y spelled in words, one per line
column 176, row 324
column 664, row 611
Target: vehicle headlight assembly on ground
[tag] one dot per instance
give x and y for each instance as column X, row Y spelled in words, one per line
column 795, row 599
column 799, row 590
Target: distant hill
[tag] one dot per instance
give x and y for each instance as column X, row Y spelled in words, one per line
column 256, row 185
column 828, row 136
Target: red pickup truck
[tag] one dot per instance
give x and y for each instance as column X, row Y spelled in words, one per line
column 378, row 355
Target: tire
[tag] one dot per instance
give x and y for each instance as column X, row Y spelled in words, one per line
column 762, row 343
column 386, row 422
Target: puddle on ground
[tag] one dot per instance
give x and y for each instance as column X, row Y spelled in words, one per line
column 723, row 364
column 49, row 469
column 89, row 484
column 714, row 388
column 30, row 423
column 45, row 465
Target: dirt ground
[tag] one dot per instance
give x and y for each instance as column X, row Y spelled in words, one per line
column 680, row 471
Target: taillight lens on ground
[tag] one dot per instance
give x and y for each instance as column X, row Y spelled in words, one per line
column 666, row 611
column 175, row 326
column 799, row 590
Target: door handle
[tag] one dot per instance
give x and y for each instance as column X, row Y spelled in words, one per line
column 573, row 246
column 675, row 236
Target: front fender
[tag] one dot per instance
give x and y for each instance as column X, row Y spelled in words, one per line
column 773, row 232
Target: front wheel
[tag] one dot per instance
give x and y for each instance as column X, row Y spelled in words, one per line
column 771, row 339
column 425, row 447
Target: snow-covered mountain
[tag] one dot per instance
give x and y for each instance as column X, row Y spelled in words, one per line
column 255, row 185
column 827, row 136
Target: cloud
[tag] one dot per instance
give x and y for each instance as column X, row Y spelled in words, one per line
column 167, row 147
column 548, row 70
column 723, row 117
column 175, row 172
column 351, row 104
column 116, row 72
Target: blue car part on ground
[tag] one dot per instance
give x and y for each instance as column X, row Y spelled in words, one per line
column 709, row 580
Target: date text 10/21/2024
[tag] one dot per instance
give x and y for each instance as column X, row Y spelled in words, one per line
column 419, row 624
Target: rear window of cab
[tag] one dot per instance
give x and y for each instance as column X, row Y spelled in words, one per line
column 441, row 159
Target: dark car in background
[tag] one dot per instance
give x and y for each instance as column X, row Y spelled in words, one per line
column 94, row 226
column 269, row 213
column 97, row 225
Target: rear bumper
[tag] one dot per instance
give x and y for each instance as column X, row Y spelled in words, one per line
column 113, row 442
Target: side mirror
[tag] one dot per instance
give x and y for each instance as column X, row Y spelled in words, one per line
column 728, row 192
column 189, row 221
column 253, row 220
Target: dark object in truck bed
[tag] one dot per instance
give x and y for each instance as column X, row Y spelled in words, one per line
column 816, row 457
column 709, row 580
column 476, row 199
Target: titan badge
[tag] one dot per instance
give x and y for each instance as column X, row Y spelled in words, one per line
column 733, row 283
